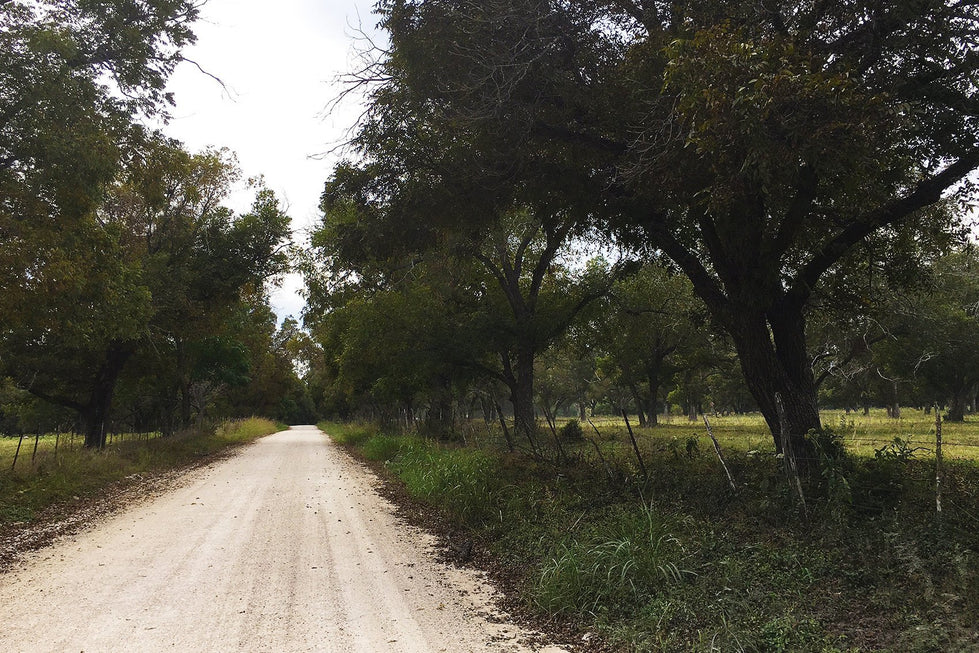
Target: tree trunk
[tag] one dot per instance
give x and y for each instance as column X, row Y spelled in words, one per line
column 778, row 363
column 637, row 397
column 895, row 408
column 956, row 407
column 522, row 396
column 96, row 412
column 652, row 417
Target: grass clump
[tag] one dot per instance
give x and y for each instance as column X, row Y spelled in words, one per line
column 353, row 434
column 461, row 482
column 382, row 448
column 625, row 561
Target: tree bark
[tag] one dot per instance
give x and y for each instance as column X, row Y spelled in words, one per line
column 96, row 412
column 956, row 407
column 652, row 408
column 522, row 395
column 638, row 398
column 772, row 352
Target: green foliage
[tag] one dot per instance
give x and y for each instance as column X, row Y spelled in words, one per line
column 679, row 563
column 382, row 448
column 349, row 434
column 571, row 431
column 629, row 559
column 461, row 482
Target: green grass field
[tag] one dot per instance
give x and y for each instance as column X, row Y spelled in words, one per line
column 863, row 434
column 63, row 470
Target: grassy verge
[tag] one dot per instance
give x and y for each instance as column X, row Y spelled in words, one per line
column 678, row 562
column 68, row 472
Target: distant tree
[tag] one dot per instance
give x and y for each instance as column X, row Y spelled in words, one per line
column 938, row 331
column 652, row 323
column 383, row 228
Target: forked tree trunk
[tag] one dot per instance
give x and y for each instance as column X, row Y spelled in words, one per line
column 773, row 357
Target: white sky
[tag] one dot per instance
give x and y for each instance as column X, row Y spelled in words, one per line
column 280, row 62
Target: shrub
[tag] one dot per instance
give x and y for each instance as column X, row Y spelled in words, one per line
column 571, row 432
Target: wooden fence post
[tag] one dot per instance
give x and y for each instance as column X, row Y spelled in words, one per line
column 717, row 448
column 635, row 445
column 788, row 456
column 939, row 465
column 17, row 453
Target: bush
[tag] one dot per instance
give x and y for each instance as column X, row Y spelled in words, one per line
column 571, row 432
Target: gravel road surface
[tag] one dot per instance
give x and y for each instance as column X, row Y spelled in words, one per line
column 285, row 546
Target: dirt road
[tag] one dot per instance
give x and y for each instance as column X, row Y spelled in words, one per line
column 283, row 547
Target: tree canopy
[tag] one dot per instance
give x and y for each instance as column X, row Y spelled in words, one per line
column 755, row 145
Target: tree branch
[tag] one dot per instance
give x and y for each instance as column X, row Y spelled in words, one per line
column 925, row 193
column 805, row 196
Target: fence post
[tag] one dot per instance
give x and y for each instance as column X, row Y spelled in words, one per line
column 17, row 453
column 717, row 448
column 788, row 456
column 635, row 445
column 939, row 465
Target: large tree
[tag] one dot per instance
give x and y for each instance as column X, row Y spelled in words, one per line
column 73, row 75
column 754, row 144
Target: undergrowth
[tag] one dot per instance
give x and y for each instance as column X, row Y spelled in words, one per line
column 677, row 561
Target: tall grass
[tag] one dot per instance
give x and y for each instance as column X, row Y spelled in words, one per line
column 674, row 560
column 71, row 473
column 620, row 563
column 461, row 482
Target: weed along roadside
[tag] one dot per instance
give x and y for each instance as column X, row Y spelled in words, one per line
column 675, row 560
column 63, row 477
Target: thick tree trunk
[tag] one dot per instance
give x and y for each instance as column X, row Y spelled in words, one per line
column 96, row 412
column 956, row 407
column 522, row 396
column 773, row 357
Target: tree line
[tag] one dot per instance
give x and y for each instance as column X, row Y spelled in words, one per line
column 131, row 297
column 776, row 187
column 604, row 205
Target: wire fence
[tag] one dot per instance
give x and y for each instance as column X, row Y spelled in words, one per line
column 30, row 449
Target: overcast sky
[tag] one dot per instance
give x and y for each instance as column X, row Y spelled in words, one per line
column 280, row 62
